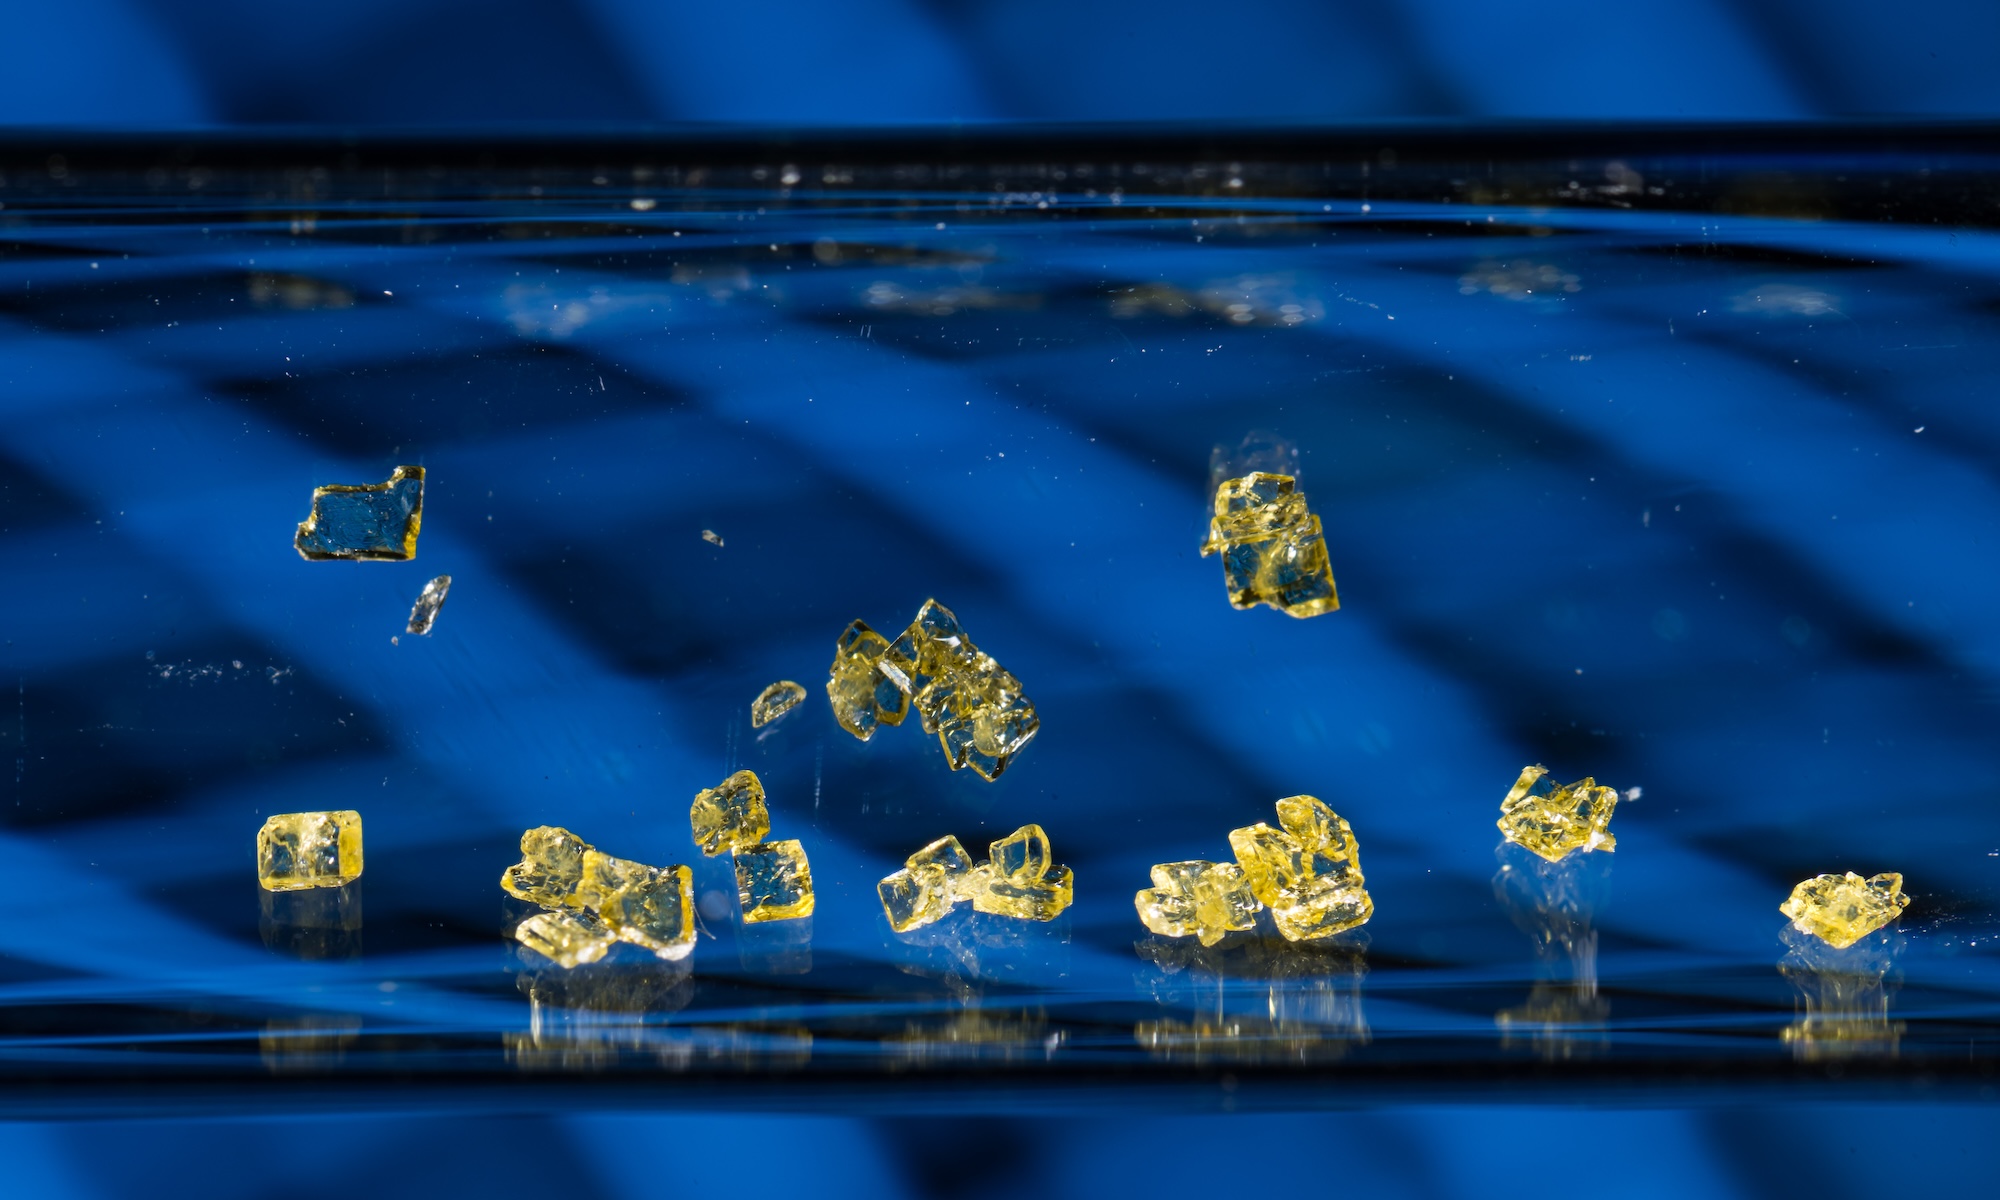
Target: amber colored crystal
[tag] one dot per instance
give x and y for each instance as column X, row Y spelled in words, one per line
column 773, row 881
column 863, row 698
column 961, row 694
column 927, row 886
column 1200, row 899
column 774, row 702
column 551, row 866
column 571, row 939
column 1554, row 820
column 1273, row 550
column 309, row 850
column 730, row 815
column 1308, row 872
column 646, row 906
column 371, row 521
column 1843, row 909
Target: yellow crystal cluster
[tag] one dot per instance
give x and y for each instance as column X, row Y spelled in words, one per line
column 773, row 879
column 774, row 702
column 1307, row 871
column 1553, row 820
column 970, row 702
column 592, row 900
column 1018, row 879
column 1273, row 551
column 309, row 850
column 1843, row 909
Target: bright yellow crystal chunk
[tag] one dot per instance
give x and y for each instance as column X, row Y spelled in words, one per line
column 1022, row 854
column 946, row 854
column 309, row 850
column 1041, row 899
column 1200, row 899
column 913, row 897
column 371, row 521
column 643, row 905
column 551, row 866
column 862, row 698
column 1308, row 873
column 774, row 881
column 730, row 815
column 571, row 939
column 1843, row 909
column 1273, row 550
column 974, row 705
column 774, row 702
column 1554, row 820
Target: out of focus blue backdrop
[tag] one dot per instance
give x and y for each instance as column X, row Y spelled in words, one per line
column 387, row 62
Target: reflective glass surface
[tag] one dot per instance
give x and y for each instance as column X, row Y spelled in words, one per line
column 1678, row 472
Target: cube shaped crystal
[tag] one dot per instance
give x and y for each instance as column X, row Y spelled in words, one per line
column 730, row 815
column 646, row 906
column 773, row 881
column 309, row 850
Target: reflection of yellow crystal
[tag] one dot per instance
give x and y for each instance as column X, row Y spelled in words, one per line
column 1554, row 820
column 551, row 866
column 309, row 850
column 927, row 886
column 643, row 905
column 774, row 881
column 1200, row 899
column 1019, row 880
column 1843, row 909
column 974, row 705
column 774, row 702
column 862, row 698
column 1273, row 551
column 571, row 939
column 730, row 815
column 1308, row 873
column 373, row 521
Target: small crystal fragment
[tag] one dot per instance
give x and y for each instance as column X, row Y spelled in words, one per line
column 1843, row 909
column 374, row 521
column 1273, row 550
column 862, row 698
column 915, row 896
column 1201, row 899
column 711, row 537
column 730, row 815
column 309, row 850
column 571, row 939
column 425, row 611
column 1308, row 873
column 1553, row 821
column 550, row 869
column 774, row 702
column 774, row 881
column 643, row 905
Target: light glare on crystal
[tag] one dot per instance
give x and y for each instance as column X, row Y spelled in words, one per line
column 571, row 939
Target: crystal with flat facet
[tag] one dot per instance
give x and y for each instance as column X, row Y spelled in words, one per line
column 913, row 897
column 773, row 881
column 774, row 702
column 1308, row 872
column 1198, row 899
column 1843, row 909
column 377, row 521
column 1554, row 820
column 1019, row 879
column 730, row 815
column 309, row 850
column 571, row 939
column 646, row 906
column 973, row 704
column 862, row 698
column 423, row 614
column 551, row 866
column 1273, row 550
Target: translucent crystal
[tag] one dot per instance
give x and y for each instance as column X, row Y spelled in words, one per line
column 730, row 815
column 774, row 702
column 1022, row 855
column 550, row 869
column 1843, row 909
column 1308, row 873
column 1273, row 550
column 424, row 613
column 1200, row 899
column 1041, row 899
column 774, row 881
column 947, row 855
column 915, row 896
column 309, row 850
column 646, row 906
column 862, row 697
column 376, row 521
column 1553, row 821
column 974, row 706
column 571, row 939
column 711, row 537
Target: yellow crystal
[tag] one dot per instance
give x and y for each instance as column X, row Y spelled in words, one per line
column 1308, row 873
column 927, row 886
column 1201, row 899
column 571, row 939
column 372, row 521
column 643, row 905
column 1019, row 879
column 1554, row 820
column 1273, row 550
column 551, row 866
column 774, row 702
column 730, row 815
column 1022, row 854
column 309, row 850
column 862, row 697
column 774, row 881
column 974, row 706
column 946, row 854
column 1843, row 909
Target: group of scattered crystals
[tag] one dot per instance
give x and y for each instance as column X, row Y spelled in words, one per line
column 590, row 900
column 1307, row 872
column 1018, row 879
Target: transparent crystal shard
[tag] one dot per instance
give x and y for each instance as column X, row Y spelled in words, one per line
column 550, row 869
column 774, row 702
column 1040, row 899
column 1554, row 820
column 711, row 537
column 1199, row 899
column 774, row 881
column 862, row 698
column 1273, row 550
column 646, row 906
column 730, row 815
column 424, row 613
column 377, row 521
column 309, row 850
column 1308, row 873
column 571, row 939
column 913, row 897
column 1843, row 909
column 1021, row 855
